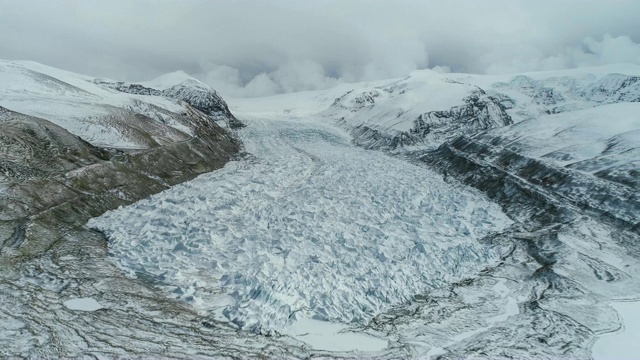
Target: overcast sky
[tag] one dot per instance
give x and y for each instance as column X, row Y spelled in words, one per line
column 261, row 47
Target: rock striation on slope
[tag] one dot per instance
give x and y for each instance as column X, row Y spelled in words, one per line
column 32, row 148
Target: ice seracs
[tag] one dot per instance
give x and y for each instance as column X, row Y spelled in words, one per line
column 311, row 228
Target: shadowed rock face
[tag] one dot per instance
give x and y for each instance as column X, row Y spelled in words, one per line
column 480, row 112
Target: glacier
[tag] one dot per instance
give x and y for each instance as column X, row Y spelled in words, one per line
column 309, row 227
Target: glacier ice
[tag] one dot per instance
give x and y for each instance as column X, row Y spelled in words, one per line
column 311, row 227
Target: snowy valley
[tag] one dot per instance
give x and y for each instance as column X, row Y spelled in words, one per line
column 433, row 216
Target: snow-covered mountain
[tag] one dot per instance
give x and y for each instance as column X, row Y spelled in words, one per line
column 182, row 87
column 416, row 110
column 70, row 150
column 111, row 114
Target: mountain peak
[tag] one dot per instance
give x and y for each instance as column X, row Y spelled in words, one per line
column 171, row 79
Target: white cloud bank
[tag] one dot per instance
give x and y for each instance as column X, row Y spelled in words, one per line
column 256, row 48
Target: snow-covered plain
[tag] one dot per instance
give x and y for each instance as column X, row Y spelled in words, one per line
column 310, row 228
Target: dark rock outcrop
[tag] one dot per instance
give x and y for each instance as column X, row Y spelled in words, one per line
column 614, row 88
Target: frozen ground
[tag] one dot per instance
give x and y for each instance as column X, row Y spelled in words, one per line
column 310, row 228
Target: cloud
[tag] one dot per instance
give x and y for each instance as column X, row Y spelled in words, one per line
column 256, row 48
column 609, row 50
column 299, row 75
column 589, row 52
